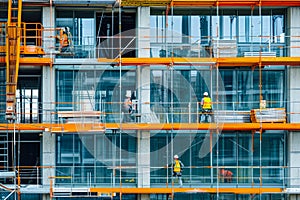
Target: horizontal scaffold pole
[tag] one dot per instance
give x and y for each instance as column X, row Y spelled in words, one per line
column 86, row 127
column 186, row 190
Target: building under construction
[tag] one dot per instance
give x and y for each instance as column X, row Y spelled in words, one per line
column 98, row 96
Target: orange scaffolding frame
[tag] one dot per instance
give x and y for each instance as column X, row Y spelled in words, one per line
column 218, row 62
column 211, row 3
column 186, row 190
column 90, row 127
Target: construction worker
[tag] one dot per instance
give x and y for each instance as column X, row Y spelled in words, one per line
column 127, row 107
column 262, row 103
column 226, row 175
column 64, row 40
column 206, row 107
column 177, row 169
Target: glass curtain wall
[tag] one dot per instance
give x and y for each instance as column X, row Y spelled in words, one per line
column 196, row 35
column 108, row 33
column 94, row 90
column 81, row 25
column 95, row 33
column 250, row 160
column 238, row 90
column 178, row 91
column 242, row 88
column 93, row 158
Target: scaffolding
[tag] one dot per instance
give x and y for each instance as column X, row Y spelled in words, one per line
column 85, row 119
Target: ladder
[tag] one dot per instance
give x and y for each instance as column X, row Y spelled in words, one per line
column 4, row 152
column 13, row 40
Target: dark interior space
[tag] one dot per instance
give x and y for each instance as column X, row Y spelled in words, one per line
column 107, row 25
column 26, row 154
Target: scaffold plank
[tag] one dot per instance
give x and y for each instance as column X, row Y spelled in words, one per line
column 90, row 127
column 186, row 190
column 211, row 3
column 31, row 61
column 235, row 3
column 221, row 62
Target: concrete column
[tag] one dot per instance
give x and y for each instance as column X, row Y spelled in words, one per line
column 143, row 139
column 294, row 197
column 48, row 157
column 143, row 48
column 48, row 97
column 46, row 197
column 293, row 29
column 143, row 87
column 49, row 33
column 143, row 73
column 143, row 31
column 143, row 160
column 48, row 84
column 48, row 94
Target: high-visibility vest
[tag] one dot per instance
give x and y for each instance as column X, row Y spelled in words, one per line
column 177, row 167
column 226, row 173
column 206, row 103
column 65, row 40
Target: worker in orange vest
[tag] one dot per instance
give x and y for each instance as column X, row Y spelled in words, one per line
column 226, row 175
column 64, row 39
column 177, row 169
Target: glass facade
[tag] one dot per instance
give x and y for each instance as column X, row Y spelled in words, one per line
column 95, row 159
column 96, row 34
column 174, row 95
column 93, row 90
column 113, row 158
column 237, row 90
column 194, row 35
column 177, row 90
column 81, row 25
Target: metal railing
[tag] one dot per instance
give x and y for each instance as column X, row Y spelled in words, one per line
column 184, row 112
column 192, row 176
column 34, row 34
column 109, row 47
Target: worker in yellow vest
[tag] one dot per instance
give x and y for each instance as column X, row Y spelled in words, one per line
column 206, row 106
column 177, row 169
